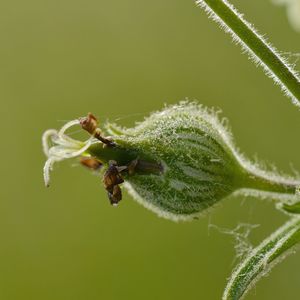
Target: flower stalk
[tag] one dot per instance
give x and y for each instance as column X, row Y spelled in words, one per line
column 262, row 181
column 260, row 260
column 259, row 50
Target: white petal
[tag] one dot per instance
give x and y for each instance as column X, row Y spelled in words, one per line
column 45, row 139
column 46, row 171
column 67, row 126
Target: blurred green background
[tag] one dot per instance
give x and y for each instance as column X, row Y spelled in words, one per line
column 122, row 60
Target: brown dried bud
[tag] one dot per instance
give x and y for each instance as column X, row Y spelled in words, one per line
column 91, row 163
column 89, row 123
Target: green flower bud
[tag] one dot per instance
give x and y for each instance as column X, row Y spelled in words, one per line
column 178, row 162
column 198, row 165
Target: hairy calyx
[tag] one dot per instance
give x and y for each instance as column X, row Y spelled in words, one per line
column 177, row 162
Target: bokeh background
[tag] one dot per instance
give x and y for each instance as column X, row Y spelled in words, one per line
column 122, row 60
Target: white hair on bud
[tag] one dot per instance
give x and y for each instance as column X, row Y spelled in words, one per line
column 161, row 213
column 189, row 131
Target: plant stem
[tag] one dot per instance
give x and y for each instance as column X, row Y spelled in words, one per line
column 267, row 183
column 261, row 259
column 262, row 53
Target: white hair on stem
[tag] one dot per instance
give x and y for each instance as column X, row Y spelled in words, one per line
column 252, row 55
column 262, row 259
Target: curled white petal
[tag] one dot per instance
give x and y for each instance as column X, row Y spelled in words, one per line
column 64, row 152
column 46, row 171
column 58, row 146
column 45, row 139
column 68, row 125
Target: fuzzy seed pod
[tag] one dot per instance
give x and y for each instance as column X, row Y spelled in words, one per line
column 178, row 162
column 198, row 165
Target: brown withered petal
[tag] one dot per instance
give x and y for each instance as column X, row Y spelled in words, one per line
column 89, row 123
column 91, row 163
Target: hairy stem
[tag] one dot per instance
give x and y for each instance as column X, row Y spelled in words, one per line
column 267, row 183
column 261, row 259
column 262, row 53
